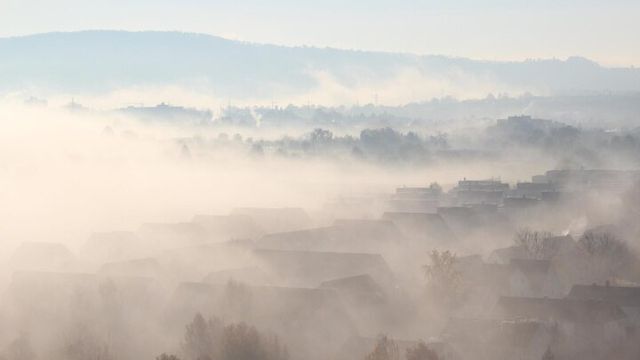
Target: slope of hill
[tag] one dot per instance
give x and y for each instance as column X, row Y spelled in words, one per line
column 97, row 61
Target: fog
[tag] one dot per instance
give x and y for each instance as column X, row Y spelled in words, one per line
column 373, row 206
column 73, row 173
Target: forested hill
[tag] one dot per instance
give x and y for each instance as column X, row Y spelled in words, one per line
column 103, row 60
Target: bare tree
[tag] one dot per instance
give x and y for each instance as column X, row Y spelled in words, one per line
column 242, row 342
column 20, row 349
column 82, row 340
column 608, row 254
column 213, row 340
column 535, row 243
column 274, row 349
column 200, row 338
column 421, row 352
column 443, row 277
column 164, row 356
column 86, row 347
column 385, row 349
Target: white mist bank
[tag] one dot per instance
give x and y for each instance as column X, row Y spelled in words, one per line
column 67, row 174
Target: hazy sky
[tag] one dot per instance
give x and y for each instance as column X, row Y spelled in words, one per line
column 605, row 30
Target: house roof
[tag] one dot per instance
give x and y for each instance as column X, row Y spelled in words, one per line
column 247, row 275
column 229, row 226
column 469, row 260
column 183, row 229
column 147, row 267
column 519, row 202
column 111, row 238
column 358, row 347
column 552, row 247
column 51, row 277
column 104, row 247
column 369, row 227
column 30, row 288
column 505, row 255
column 195, row 262
column 308, row 239
column 288, row 304
column 569, row 310
column 498, row 276
column 465, row 220
column 531, row 266
column 359, row 288
column 307, row 317
column 343, row 236
column 276, row 219
column 619, row 295
column 425, row 224
column 31, row 249
column 518, row 332
column 42, row 255
column 310, row 268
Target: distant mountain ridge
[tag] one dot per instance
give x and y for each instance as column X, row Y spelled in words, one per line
column 97, row 61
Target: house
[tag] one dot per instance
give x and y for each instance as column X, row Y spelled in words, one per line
column 193, row 263
column 427, row 193
column 352, row 235
column 414, row 199
column 495, row 339
column 622, row 296
column 49, row 305
column 46, row 302
column 476, row 221
column 626, row 297
column 520, row 203
column 468, row 263
column 485, row 283
column 470, row 197
column 568, row 310
column 597, row 179
column 228, row 227
column 414, row 205
column 481, row 185
column 358, row 289
column 462, row 220
column 382, row 228
column 251, row 275
column 532, row 190
column 273, row 220
column 425, row 230
column 312, row 322
column 480, row 191
column 540, row 275
column 359, row 347
column 590, row 328
column 46, row 256
column 368, row 304
column 316, row 239
column 112, row 246
column 162, row 236
column 522, row 277
column 550, row 248
column 311, row 268
column 506, row 254
column 145, row 267
column 364, row 206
